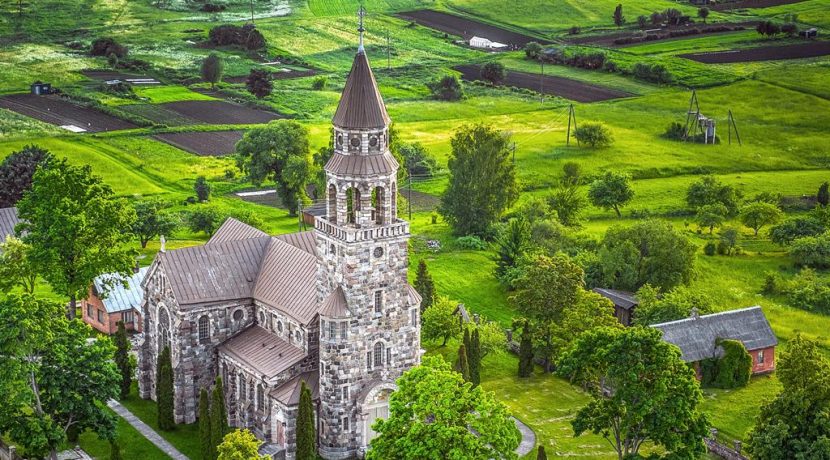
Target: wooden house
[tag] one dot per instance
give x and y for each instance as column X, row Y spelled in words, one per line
column 624, row 303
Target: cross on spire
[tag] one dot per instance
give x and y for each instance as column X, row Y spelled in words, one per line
column 361, row 13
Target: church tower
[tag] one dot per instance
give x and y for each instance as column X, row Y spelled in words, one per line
column 369, row 324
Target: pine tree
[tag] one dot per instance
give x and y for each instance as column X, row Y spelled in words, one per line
column 619, row 19
column 425, row 286
column 206, row 444
column 306, row 437
column 115, row 451
column 474, row 358
column 462, row 364
column 526, row 351
column 540, row 454
column 823, row 195
column 218, row 417
column 164, row 390
column 122, row 359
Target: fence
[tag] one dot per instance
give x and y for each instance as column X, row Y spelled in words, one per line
column 8, row 452
column 722, row 451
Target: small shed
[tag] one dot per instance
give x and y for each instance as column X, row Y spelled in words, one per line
column 113, row 298
column 481, row 42
column 39, row 88
column 313, row 211
column 624, row 303
column 697, row 336
column 808, row 33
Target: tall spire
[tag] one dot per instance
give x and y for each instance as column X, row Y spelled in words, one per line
column 361, row 13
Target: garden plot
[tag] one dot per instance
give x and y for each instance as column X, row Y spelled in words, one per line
column 751, row 4
column 558, row 86
column 213, row 143
column 468, row 28
column 57, row 111
column 763, row 53
column 220, row 112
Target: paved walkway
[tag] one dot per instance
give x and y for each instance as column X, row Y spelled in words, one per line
column 528, row 438
column 145, row 430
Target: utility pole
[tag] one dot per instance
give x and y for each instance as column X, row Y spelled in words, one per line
column 388, row 51
column 409, row 173
column 571, row 115
column 252, row 11
column 542, row 82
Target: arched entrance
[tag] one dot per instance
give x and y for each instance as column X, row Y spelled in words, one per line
column 375, row 406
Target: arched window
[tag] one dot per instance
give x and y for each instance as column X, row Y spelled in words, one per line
column 378, row 353
column 393, row 195
column 378, row 202
column 204, row 328
column 262, row 319
column 260, row 397
column 298, row 336
column 279, row 326
column 242, row 389
column 332, row 212
column 352, row 205
column 163, row 329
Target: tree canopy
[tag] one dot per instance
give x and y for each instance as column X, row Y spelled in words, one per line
column 655, row 308
column 152, row 220
column 211, row 69
column 16, row 269
column 240, row 445
column 434, row 413
column 612, row 190
column 439, row 321
column 759, row 214
column 17, row 171
column 709, row 190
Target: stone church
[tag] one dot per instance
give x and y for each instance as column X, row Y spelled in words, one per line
column 331, row 307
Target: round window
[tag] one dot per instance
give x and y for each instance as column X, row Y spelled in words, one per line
column 238, row 315
column 339, row 139
column 378, row 251
column 355, row 142
column 373, row 141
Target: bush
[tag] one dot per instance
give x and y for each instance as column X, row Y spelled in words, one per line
column 230, row 35
column 674, row 131
column 574, row 30
column 593, row 135
column 447, row 88
column 798, row 227
column 808, row 291
column 812, row 251
column 732, row 370
column 494, row 73
column 655, row 73
column 532, row 50
column 259, row 83
column 417, row 160
column 319, row 83
column 471, row 242
column 772, row 283
column 106, row 46
column 709, row 249
column 212, row 8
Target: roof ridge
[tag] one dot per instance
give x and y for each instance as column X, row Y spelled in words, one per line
column 361, row 105
column 710, row 315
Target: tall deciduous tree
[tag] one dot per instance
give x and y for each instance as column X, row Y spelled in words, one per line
column 567, row 201
column 512, row 243
column 759, row 214
column 703, row 13
column 240, row 445
column 493, row 72
column 16, row 269
column 207, row 448
column 435, row 414
column 641, row 392
column 152, row 221
column 655, row 308
column 306, row 436
column 164, row 390
column 611, row 191
column 218, row 415
column 474, row 358
column 77, row 229
column 524, row 327
column 17, row 171
column 619, row 18
column 482, row 180
column 278, row 151
column 53, row 378
column 204, row 219
column 440, row 322
column 425, row 286
column 122, row 360
column 212, row 68
column 823, row 195
column 711, row 216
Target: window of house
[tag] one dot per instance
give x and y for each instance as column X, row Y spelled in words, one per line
column 127, row 317
column 298, row 336
column 262, row 319
column 388, row 356
column 279, row 326
column 378, row 354
column 345, row 423
column 260, row 398
column 761, row 357
column 378, row 302
column 89, row 311
column 332, row 330
column 242, row 388
column 343, row 330
column 345, row 393
column 204, row 328
column 100, row 316
column 368, row 359
column 414, row 316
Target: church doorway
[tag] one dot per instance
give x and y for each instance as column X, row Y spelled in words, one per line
column 376, row 406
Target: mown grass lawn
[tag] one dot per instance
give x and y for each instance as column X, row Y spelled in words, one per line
column 132, row 444
column 185, row 438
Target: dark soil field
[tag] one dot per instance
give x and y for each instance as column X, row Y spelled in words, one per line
column 214, row 143
column 557, row 86
column 750, row 4
column 763, row 53
column 57, row 111
column 274, row 76
column 220, row 112
column 609, row 39
column 468, row 28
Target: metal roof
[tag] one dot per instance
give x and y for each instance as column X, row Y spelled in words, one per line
column 696, row 337
column 622, row 299
column 303, row 240
column 335, row 305
column 263, row 351
column 119, row 293
column 289, row 392
column 232, row 230
column 361, row 105
column 8, row 220
column 288, row 280
column 362, row 165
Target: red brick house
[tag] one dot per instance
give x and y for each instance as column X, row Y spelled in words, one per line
column 112, row 299
column 697, row 336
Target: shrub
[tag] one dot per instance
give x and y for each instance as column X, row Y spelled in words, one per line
column 212, row 8
column 230, row 35
column 107, row 46
column 772, row 283
column 732, row 370
column 447, row 88
column 259, row 83
column 808, row 291
column 532, row 50
column 823, row 195
column 574, row 30
column 594, row 135
column 319, row 83
column 798, row 227
column 642, row 21
column 255, row 40
column 417, row 160
column 471, row 242
column 709, row 249
column 494, row 73
column 812, row 251
column 655, row 73
column 674, row 131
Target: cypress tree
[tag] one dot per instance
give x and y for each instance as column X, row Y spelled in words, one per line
column 467, row 343
column 205, row 433
column 122, row 359
column 540, row 454
column 306, row 437
column 462, row 364
column 425, row 286
column 164, row 390
column 218, row 418
column 115, row 451
column 474, row 358
column 526, row 352
column 823, row 195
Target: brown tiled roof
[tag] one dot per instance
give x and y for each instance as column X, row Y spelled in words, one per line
column 262, row 350
column 303, row 240
column 8, row 219
column 288, row 280
column 232, row 230
column 335, row 305
column 289, row 392
column 362, row 165
column 361, row 106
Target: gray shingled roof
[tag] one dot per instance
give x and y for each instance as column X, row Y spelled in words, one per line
column 232, row 230
column 288, row 280
column 622, row 299
column 361, row 105
column 696, row 337
column 335, row 305
column 262, row 350
column 289, row 392
column 362, row 165
column 8, row 220
column 117, row 297
column 303, row 240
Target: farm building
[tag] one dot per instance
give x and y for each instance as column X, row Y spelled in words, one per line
column 481, row 42
column 624, row 303
column 39, row 88
column 111, row 300
column 697, row 336
column 8, row 220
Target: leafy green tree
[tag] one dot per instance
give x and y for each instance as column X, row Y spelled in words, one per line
column 435, row 414
column 619, row 19
column 511, row 245
column 462, row 364
column 446, row 88
column 648, row 252
column 642, row 21
column 796, row 424
column 204, row 219
column 590, row 311
column 494, row 73
column 17, row 171
column 655, row 308
column 711, row 216
column 54, row 379
column 306, row 437
column 207, row 448
column 524, row 327
column 611, row 191
column 152, row 221
column 758, row 214
column 278, row 151
column 812, row 251
column 641, row 392
column 77, row 229
column 211, row 69
column 240, row 445
column 703, row 13
column 417, row 160
column 474, row 358
column 567, row 202
column 594, row 135
column 439, row 321
column 532, row 50
column 16, row 268
column 729, row 237
column 709, row 190
column 164, row 390
column 482, row 181
column 797, row 227
column 492, row 338
column 218, row 415
column 259, row 83
column 822, row 197
column 202, row 189
column 424, row 286
column 122, row 360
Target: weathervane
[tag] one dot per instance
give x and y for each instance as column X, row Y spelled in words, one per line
column 361, row 13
